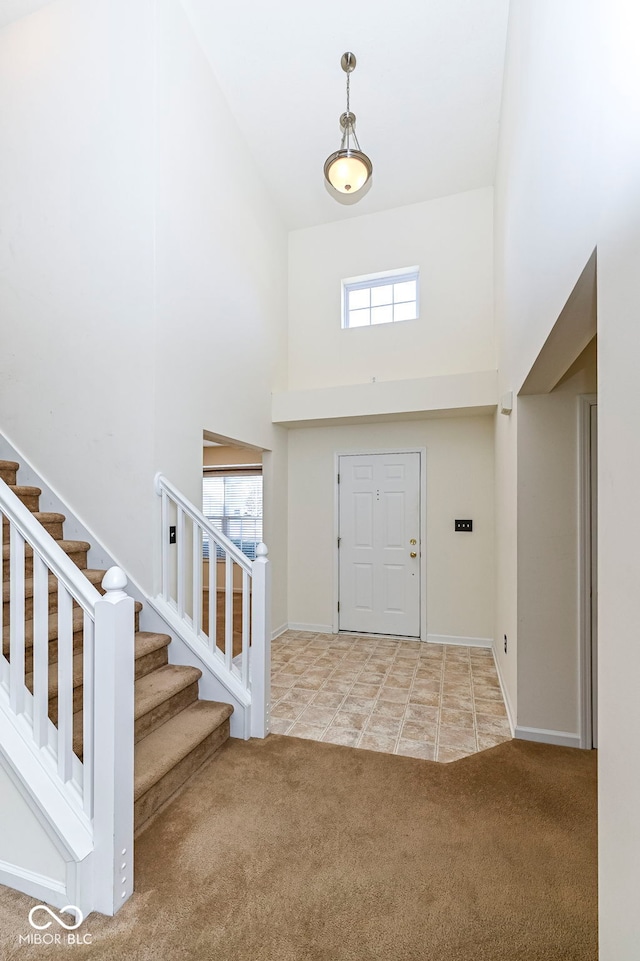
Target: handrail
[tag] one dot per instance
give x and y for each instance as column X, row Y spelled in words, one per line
column 193, row 598
column 88, row 802
column 161, row 483
column 41, row 541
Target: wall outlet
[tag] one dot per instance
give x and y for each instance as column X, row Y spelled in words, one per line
column 505, row 643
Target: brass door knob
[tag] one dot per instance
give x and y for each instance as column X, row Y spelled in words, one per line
column 413, row 554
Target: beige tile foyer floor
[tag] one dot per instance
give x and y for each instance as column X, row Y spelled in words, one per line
column 431, row 701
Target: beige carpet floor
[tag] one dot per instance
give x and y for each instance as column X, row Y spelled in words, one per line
column 293, row 850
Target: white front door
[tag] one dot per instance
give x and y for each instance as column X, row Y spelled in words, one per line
column 379, row 544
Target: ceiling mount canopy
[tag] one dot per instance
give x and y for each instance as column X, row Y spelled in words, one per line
column 348, row 169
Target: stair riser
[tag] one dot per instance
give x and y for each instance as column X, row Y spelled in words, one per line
column 8, row 476
column 31, row 501
column 53, row 651
column 163, row 712
column 151, row 662
column 79, row 558
column 77, row 703
column 53, row 646
column 28, row 608
column 52, row 527
column 162, row 791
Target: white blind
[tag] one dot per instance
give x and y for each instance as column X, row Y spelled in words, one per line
column 233, row 503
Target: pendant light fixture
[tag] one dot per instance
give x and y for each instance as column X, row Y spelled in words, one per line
column 348, row 169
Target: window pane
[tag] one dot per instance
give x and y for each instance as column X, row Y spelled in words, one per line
column 404, row 291
column 359, row 318
column 404, row 312
column 381, row 315
column 233, row 503
column 359, row 298
column 382, row 295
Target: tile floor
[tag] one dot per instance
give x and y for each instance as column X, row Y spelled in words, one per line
column 431, row 701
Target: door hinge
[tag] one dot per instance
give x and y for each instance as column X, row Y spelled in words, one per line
column 338, row 605
column 338, row 478
column 339, row 539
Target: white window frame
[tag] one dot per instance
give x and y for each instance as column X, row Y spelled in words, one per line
column 381, row 279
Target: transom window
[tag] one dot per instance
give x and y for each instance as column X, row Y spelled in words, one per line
column 380, row 298
column 232, row 501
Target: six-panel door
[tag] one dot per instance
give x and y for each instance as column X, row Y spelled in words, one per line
column 379, row 556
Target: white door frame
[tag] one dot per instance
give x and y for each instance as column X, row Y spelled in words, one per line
column 422, row 452
column 585, row 403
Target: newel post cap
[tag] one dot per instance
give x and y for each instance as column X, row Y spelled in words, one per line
column 114, row 583
column 261, row 550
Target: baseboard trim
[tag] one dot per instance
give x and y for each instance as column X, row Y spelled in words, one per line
column 311, row 628
column 37, row 886
column 459, row 641
column 505, row 694
column 278, row 631
column 561, row 738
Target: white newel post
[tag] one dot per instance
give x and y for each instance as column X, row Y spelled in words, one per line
column 113, row 741
column 260, row 669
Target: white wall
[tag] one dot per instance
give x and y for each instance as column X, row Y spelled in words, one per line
column 459, row 484
column 76, row 259
column 220, row 336
column 546, row 214
column 619, row 453
column 142, row 269
column 450, row 239
column 568, row 181
column 548, row 552
column 24, row 843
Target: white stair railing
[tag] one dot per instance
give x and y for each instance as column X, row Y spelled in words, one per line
column 80, row 773
column 235, row 634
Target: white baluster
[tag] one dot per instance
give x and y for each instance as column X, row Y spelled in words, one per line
column 197, row 577
column 228, row 612
column 164, row 548
column 246, row 608
column 65, row 683
column 16, row 633
column 88, row 712
column 260, row 645
column 181, row 559
column 213, row 593
column 40, row 650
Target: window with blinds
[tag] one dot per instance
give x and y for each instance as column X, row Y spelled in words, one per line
column 232, row 501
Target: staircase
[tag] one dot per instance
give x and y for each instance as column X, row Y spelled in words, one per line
column 175, row 732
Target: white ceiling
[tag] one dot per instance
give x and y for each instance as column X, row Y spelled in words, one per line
column 426, row 92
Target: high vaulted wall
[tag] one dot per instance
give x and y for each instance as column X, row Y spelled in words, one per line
column 449, row 239
column 142, row 275
column 568, row 182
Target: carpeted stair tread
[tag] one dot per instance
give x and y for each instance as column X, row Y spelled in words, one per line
column 94, row 576
column 148, row 641
column 158, row 686
column 8, row 469
column 143, row 645
column 169, row 744
column 77, row 621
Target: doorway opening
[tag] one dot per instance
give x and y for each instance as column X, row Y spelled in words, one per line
column 232, row 500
